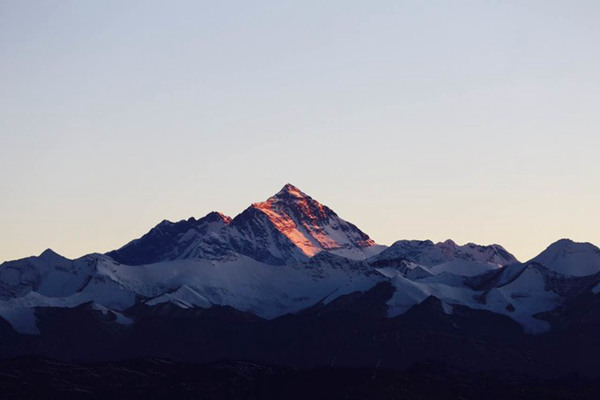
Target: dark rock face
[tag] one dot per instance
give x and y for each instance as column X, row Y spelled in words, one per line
column 286, row 228
column 425, row 252
column 253, row 234
column 314, row 218
column 169, row 240
column 290, row 227
column 351, row 331
column 317, row 260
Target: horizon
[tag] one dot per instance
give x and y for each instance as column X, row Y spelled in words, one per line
column 308, row 195
column 470, row 122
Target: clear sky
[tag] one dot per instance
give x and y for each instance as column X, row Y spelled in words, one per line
column 471, row 120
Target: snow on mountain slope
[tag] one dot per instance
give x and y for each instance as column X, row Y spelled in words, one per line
column 289, row 253
column 407, row 294
column 291, row 226
column 493, row 254
column 410, row 293
column 243, row 283
column 426, row 253
column 358, row 253
column 521, row 292
column 309, row 224
column 49, row 274
column 169, row 240
column 453, row 273
column 253, row 234
column 51, row 280
column 422, row 252
column 571, row 258
column 288, row 227
column 269, row 291
column 524, row 297
column 183, row 297
column 20, row 311
column 495, row 278
column 463, row 268
column 248, row 285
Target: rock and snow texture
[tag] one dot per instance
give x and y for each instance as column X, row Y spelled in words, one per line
column 289, row 253
column 184, row 297
column 519, row 291
column 311, row 226
column 169, row 240
column 291, row 226
column 243, row 283
column 288, row 227
column 426, row 253
column 571, row 258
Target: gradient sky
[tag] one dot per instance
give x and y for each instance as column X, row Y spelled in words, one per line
column 471, row 120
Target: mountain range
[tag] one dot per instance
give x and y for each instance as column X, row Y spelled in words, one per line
column 287, row 281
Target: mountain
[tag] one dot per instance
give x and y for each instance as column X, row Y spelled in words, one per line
column 291, row 226
column 169, row 240
column 570, row 258
column 287, row 281
column 288, row 227
column 518, row 291
column 445, row 256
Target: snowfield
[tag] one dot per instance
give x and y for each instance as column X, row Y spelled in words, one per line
column 521, row 292
column 289, row 253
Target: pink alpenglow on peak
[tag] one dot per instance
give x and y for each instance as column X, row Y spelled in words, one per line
column 289, row 190
column 313, row 227
column 288, row 227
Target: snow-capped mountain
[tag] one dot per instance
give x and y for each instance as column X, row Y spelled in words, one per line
column 291, row 226
column 170, row 240
column 570, row 258
column 291, row 256
column 426, row 253
column 243, row 283
column 288, row 227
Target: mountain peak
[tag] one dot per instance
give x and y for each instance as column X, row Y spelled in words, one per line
column 215, row 216
column 169, row 240
column 290, row 191
column 48, row 253
column 568, row 245
column 448, row 244
column 292, row 201
column 571, row 258
column 425, row 252
column 564, row 242
column 292, row 222
column 51, row 256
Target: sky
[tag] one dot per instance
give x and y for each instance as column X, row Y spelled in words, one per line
column 471, row 120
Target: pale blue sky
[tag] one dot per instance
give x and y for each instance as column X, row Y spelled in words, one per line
column 471, row 120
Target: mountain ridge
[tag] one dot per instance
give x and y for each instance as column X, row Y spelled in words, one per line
column 288, row 226
column 292, row 260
